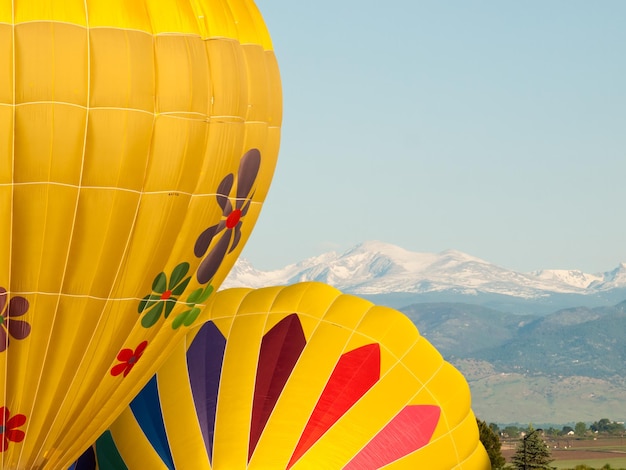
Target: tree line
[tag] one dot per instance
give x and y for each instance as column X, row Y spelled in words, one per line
column 532, row 451
column 580, row 429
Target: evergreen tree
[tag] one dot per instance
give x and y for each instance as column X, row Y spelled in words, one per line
column 495, row 428
column 532, row 452
column 492, row 444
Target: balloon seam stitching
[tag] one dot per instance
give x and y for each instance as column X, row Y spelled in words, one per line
column 76, row 205
column 12, row 215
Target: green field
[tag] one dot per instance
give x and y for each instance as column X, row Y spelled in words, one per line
column 594, row 453
column 616, row 463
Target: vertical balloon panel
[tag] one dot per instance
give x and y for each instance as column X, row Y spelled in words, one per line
column 131, row 175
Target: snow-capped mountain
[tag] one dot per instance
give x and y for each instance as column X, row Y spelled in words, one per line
column 574, row 277
column 373, row 268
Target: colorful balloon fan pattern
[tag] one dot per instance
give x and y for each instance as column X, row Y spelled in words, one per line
column 297, row 377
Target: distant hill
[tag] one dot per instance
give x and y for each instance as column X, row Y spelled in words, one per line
column 461, row 330
column 540, row 399
column 563, row 367
column 581, row 341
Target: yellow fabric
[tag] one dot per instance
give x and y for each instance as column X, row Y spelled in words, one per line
column 300, row 395
column 354, row 430
column 138, row 453
column 180, row 413
column 411, row 372
column 118, row 121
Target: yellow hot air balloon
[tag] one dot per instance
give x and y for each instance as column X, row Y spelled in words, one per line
column 138, row 141
column 298, row 377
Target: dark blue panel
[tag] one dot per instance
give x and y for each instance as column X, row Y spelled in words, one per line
column 147, row 410
column 87, row 461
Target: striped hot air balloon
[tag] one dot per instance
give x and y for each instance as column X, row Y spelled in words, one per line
column 299, row 377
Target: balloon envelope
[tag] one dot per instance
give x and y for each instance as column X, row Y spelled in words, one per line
column 298, row 377
column 138, row 140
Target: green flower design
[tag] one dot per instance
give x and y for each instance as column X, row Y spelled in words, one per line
column 189, row 316
column 164, row 295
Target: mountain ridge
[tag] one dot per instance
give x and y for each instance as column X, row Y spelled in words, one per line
column 566, row 366
column 376, row 268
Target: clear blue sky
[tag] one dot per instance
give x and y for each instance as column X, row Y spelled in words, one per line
column 497, row 128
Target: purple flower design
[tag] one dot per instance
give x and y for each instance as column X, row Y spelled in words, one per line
column 232, row 216
column 16, row 307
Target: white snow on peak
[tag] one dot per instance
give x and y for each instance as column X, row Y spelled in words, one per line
column 571, row 277
column 613, row 279
column 375, row 267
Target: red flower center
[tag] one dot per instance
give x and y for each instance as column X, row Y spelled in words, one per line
column 166, row 295
column 233, row 218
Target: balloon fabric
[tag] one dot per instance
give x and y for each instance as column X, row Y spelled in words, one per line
column 138, row 140
column 298, row 377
